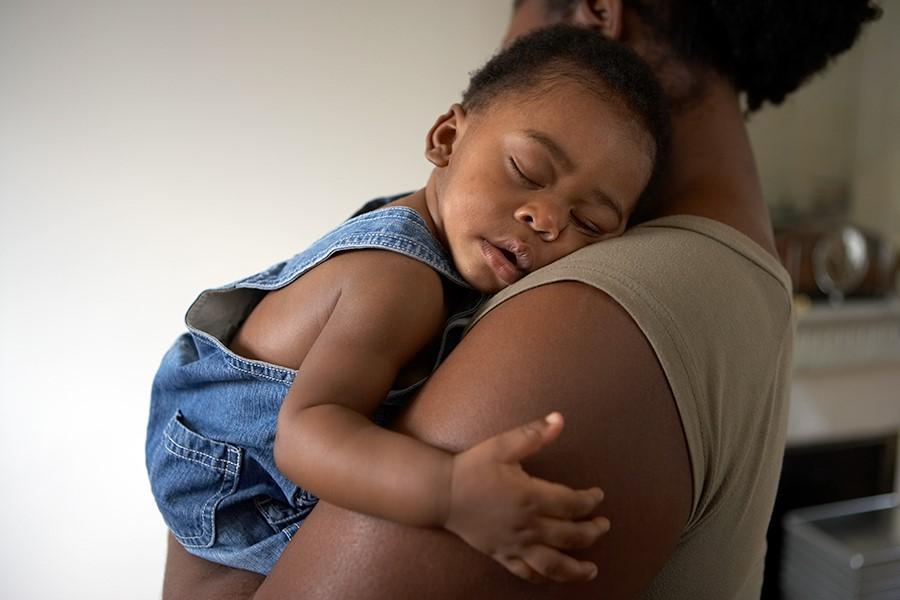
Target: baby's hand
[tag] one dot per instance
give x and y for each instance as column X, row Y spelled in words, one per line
column 521, row 521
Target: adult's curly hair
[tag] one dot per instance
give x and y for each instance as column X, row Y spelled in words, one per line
column 766, row 48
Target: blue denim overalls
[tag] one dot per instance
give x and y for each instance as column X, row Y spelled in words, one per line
column 213, row 413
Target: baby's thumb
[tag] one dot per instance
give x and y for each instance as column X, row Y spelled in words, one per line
column 521, row 442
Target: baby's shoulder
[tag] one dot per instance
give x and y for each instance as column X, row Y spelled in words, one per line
column 384, row 274
column 385, row 299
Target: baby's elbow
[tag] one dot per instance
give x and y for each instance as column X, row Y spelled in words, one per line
column 285, row 432
column 278, row 450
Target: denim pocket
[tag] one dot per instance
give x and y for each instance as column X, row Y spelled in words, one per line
column 190, row 476
column 282, row 517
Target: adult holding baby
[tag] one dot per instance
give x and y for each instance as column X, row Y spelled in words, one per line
column 667, row 349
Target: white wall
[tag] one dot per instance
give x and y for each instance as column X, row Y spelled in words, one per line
column 876, row 184
column 150, row 149
column 838, row 137
column 804, row 147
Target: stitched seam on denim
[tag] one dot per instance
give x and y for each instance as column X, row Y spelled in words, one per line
column 343, row 240
column 260, row 370
column 399, row 238
column 192, row 451
column 290, row 534
column 209, row 507
column 230, row 357
column 238, row 367
column 262, row 503
column 413, row 218
column 407, row 246
column 401, row 242
column 207, row 532
column 288, row 519
column 206, row 513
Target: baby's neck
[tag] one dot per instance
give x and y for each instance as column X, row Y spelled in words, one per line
column 418, row 201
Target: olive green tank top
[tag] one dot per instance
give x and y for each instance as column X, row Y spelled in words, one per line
column 717, row 310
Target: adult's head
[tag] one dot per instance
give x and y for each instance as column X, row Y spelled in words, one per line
column 765, row 48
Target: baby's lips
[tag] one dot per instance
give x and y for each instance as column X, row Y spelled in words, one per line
column 522, row 253
column 524, row 259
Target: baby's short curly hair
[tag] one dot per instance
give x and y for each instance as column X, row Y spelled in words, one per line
column 610, row 70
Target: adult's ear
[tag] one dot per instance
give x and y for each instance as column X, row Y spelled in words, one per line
column 603, row 16
column 444, row 135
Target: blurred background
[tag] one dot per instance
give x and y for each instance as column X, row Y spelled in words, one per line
column 151, row 149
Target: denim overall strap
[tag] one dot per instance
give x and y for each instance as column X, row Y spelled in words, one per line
column 396, row 228
column 400, row 229
column 217, row 312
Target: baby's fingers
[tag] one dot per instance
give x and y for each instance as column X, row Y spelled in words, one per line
column 520, row 569
column 569, row 535
column 562, row 502
column 516, row 444
column 556, row 566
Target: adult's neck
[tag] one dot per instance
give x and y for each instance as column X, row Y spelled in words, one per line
column 712, row 171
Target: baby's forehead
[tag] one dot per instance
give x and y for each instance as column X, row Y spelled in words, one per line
column 535, row 66
column 577, row 106
column 565, row 96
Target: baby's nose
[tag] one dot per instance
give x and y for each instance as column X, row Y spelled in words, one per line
column 545, row 219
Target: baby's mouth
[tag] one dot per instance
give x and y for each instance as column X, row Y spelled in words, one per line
column 518, row 254
column 509, row 260
column 510, row 256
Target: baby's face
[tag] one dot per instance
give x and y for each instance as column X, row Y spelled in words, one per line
column 533, row 178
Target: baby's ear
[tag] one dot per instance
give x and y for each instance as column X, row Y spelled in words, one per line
column 444, row 135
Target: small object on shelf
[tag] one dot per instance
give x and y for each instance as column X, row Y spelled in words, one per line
column 856, row 333
column 835, row 260
column 840, row 262
column 846, row 550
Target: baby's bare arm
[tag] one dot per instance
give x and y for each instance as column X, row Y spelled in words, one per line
column 325, row 441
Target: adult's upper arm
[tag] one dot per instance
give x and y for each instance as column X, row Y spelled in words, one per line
column 565, row 347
